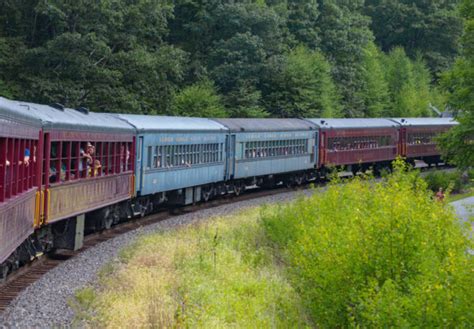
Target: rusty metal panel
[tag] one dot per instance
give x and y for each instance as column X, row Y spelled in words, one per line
column 16, row 222
column 76, row 197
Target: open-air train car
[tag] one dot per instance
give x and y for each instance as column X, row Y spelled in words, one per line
column 20, row 133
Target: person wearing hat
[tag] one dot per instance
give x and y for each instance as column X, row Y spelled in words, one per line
column 87, row 155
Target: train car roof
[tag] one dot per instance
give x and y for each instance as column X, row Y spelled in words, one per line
column 155, row 123
column 17, row 112
column 424, row 122
column 50, row 117
column 362, row 123
column 249, row 125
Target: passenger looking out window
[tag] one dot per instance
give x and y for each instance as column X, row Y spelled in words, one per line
column 26, row 157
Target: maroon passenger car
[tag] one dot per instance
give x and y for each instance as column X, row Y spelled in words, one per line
column 71, row 162
column 357, row 143
column 19, row 196
column 418, row 137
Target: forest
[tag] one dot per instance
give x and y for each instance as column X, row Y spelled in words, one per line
column 253, row 58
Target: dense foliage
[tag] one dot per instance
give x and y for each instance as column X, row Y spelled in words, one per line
column 255, row 58
column 390, row 256
column 451, row 181
column 458, row 145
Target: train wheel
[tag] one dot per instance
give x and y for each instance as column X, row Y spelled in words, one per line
column 238, row 189
column 206, row 194
column 108, row 221
column 3, row 272
column 299, row 180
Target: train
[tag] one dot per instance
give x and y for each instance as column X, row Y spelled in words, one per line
column 64, row 171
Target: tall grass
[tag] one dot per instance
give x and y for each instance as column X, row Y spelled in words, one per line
column 213, row 275
column 376, row 254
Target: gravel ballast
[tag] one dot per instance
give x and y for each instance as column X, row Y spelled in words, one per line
column 44, row 304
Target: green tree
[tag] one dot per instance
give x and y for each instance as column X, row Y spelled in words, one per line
column 93, row 53
column 303, row 86
column 409, row 84
column 374, row 92
column 431, row 28
column 345, row 34
column 200, row 99
column 230, row 42
column 458, row 144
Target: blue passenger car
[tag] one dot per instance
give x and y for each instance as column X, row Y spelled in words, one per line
column 176, row 156
column 269, row 147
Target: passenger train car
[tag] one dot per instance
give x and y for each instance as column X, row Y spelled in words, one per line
column 265, row 151
column 64, row 171
column 357, row 143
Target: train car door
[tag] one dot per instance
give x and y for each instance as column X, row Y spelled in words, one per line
column 139, row 166
column 322, row 148
column 315, row 151
column 402, row 148
column 230, row 156
column 44, row 214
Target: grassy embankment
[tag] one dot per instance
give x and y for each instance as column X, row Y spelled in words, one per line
column 364, row 253
column 206, row 275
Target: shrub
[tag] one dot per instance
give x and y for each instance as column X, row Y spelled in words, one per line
column 445, row 180
column 470, row 173
column 376, row 254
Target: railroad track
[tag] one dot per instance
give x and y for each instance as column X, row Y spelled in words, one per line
column 30, row 273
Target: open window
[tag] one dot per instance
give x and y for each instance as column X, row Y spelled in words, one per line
column 17, row 166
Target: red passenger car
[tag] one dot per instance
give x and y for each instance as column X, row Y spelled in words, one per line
column 19, row 197
column 87, row 165
column 356, row 143
column 71, row 162
column 418, row 137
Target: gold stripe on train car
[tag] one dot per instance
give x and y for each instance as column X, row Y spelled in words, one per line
column 132, row 187
column 37, row 209
column 49, row 205
column 41, row 213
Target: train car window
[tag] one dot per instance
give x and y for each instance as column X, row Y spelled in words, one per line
column 106, row 158
column 167, row 159
column 65, row 170
column 149, row 157
column 110, row 158
column 155, row 157
column 54, row 163
column 353, row 143
column 17, row 166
